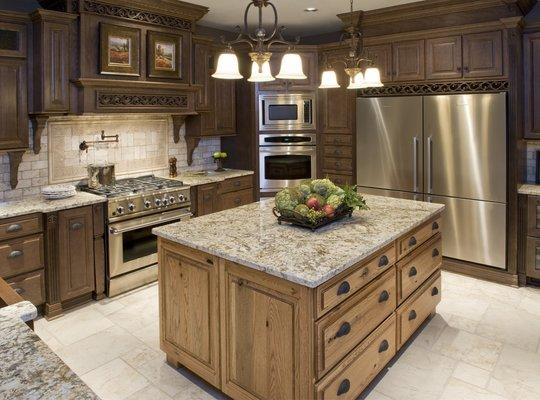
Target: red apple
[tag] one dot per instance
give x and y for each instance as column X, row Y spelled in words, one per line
column 329, row 210
column 313, row 203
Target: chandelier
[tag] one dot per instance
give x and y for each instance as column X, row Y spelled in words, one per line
column 359, row 78
column 260, row 42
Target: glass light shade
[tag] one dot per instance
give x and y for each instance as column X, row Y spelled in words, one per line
column 258, row 76
column 291, row 67
column 358, row 82
column 329, row 80
column 373, row 78
column 227, row 67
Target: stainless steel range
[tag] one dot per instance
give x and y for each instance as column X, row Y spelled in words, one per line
column 135, row 206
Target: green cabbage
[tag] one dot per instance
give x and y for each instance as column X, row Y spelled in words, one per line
column 323, row 187
column 301, row 209
column 286, row 201
column 334, row 200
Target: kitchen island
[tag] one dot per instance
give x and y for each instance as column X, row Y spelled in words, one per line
column 268, row 311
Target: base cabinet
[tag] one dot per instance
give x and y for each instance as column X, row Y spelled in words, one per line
column 214, row 197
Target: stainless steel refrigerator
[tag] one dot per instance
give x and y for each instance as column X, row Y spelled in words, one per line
column 447, row 149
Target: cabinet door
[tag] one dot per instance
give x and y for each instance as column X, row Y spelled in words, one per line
column 531, row 50
column 443, row 58
column 532, row 263
column 203, row 68
column 189, row 314
column 381, row 56
column 76, row 252
column 533, row 216
column 225, row 107
column 310, row 67
column 409, row 60
column 13, row 107
column 482, row 54
column 207, row 199
column 55, row 68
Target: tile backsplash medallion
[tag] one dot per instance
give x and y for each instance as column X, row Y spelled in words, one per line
column 144, row 147
column 531, row 161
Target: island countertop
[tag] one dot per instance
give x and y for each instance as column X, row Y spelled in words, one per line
column 251, row 236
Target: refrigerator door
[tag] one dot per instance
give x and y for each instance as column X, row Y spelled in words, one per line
column 474, row 230
column 465, row 146
column 389, row 143
column 391, row 193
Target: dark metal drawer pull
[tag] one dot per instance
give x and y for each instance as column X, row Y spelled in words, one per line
column 76, row 226
column 237, row 183
column 344, row 288
column 19, row 290
column 344, row 387
column 383, row 261
column 210, row 261
column 14, row 228
column 434, row 291
column 384, row 296
column 344, row 330
column 237, row 200
column 412, row 315
column 412, row 241
column 435, row 226
column 435, row 253
column 413, row 272
column 15, row 254
column 384, row 346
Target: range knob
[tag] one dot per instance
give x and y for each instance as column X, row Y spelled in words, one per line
column 147, row 204
column 131, row 207
column 181, row 197
column 171, row 199
column 120, row 210
column 165, row 201
column 158, row 202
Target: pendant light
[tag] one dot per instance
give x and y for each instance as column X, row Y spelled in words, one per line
column 373, row 77
column 260, row 42
column 329, row 80
column 357, row 81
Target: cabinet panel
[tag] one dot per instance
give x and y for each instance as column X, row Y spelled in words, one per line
column 12, row 40
column 482, row 54
column 444, row 58
column 533, row 216
column 76, row 252
column 30, row 287
column 13, row 106
column 409, row 61
column 55, row 78
column 207, row 199
column 532, row 260
column 531, row 50
column 381, row 56
column 225, row 106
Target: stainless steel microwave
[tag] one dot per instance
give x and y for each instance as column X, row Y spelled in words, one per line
column 286, row 112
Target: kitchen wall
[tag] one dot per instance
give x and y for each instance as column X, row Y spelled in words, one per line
column 145, row 145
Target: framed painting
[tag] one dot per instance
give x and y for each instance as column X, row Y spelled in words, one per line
column 164, row 55
column 119, row 50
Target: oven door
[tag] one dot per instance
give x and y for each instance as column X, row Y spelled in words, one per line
column 131, row 243
column 286, row 112
column 285, row 166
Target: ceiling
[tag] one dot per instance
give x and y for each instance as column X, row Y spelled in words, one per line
column 226, row 14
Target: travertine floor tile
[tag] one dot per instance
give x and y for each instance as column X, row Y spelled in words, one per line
column 471, row 374
column 149, row 393
column 457, row 390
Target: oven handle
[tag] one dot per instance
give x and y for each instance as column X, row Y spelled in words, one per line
column 149, row 221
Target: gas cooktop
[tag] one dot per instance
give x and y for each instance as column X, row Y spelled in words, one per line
column 134, row 186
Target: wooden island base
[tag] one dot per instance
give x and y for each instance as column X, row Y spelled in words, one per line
column 257, row 336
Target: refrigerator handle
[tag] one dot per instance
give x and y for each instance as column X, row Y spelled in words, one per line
column 415, row 163
column 430, row 165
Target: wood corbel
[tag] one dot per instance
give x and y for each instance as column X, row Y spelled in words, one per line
column 39, row 122
column 15, row 159
column 192, row 143
column 178, row 121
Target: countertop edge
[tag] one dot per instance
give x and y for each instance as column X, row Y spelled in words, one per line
column 529, row 189
column 23, row 310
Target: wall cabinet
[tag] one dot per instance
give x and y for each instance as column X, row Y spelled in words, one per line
column 482, row 54
column 409, row 61
column 381, row 56
column 531, row 51
column 444, row 58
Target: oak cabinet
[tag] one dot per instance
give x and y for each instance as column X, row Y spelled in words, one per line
column 381, row 57
column 443, row 58
column 531, row 51
column 409, row 61
column 482, row 54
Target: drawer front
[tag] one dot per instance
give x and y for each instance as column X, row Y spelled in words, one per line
column 337, row 151
column 235, row 184
column 20, row 226
column 21, row 255
column 419, row 236
column 335, row 292
column 354, row 374
column 342, row 330
column 236, row 199
column 337, row 164
column 416, row 309
column 30, row 287
column 532, row 262
column 195, row 255
column 337, row 140
column 418, row 266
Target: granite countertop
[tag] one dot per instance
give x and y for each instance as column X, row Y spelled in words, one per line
column 531, row 189
column 251, row 236
column 193, row 179
column 40, row 204
column 30, row 370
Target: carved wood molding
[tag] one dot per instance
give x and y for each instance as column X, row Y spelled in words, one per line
column 437, row 88
column 178, row 121
column 15, row 159
column 110, row 100
column 191, row 144
column 39, row 122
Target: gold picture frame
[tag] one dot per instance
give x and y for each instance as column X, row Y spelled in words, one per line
column 164, row 55
column 119, row 50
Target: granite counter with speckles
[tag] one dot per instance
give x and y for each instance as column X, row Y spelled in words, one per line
column 196, row 179
column 28, row 367
column 530, row 189
column 251, row 236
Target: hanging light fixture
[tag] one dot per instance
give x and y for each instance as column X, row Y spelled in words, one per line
column 359, row 78
column 260, row 42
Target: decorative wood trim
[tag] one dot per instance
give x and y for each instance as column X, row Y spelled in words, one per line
column 178, row 121
column 192, row 143
column 39, row 122
column 53, row 305
column 111, row 100
column 15, row 158
column 437, row 88
column 479, row 271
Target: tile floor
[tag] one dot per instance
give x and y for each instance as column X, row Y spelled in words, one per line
column 484, row 344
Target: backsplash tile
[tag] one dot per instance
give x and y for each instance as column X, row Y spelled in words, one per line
column 145, row 144
column 531, row 161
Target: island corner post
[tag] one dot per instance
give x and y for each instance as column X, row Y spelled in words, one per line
column 254, row 335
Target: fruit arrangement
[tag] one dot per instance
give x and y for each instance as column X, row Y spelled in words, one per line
column 218, row 157
column 316, row 203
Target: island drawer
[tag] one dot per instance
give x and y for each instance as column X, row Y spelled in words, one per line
column 236, row 199
column 419, row 236
column 339, row 289
column 348, row 324
column 235, row 184
column 30, row 287
column 412, row 313
column 21, row 255
column 357, row 370
column 418, row 266
column 20, row 226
